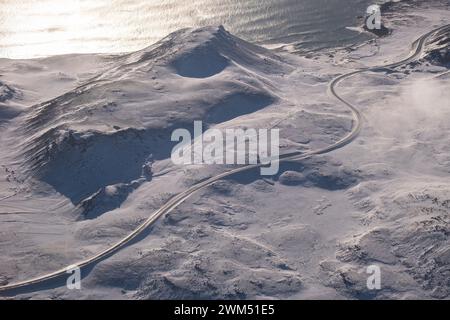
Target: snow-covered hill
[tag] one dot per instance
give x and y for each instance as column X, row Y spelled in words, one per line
column 85, row 159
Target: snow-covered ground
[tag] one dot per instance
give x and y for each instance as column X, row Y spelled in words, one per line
column 85, row 155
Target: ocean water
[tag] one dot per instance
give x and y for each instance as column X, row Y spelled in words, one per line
column 35, row 28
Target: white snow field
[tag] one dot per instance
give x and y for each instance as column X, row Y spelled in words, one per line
column 85, row 159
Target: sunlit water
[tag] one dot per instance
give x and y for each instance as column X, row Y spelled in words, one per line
column 32, row 28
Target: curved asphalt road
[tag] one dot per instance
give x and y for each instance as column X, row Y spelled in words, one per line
column 417, row 48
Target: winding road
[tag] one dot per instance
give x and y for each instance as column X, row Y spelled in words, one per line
column 175, row 201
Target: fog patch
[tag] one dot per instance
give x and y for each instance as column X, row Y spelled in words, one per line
column 422, row 106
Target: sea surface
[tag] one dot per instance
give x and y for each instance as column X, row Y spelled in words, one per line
column 36, row 28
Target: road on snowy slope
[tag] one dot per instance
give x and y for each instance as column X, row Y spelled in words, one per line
column 417, row 48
